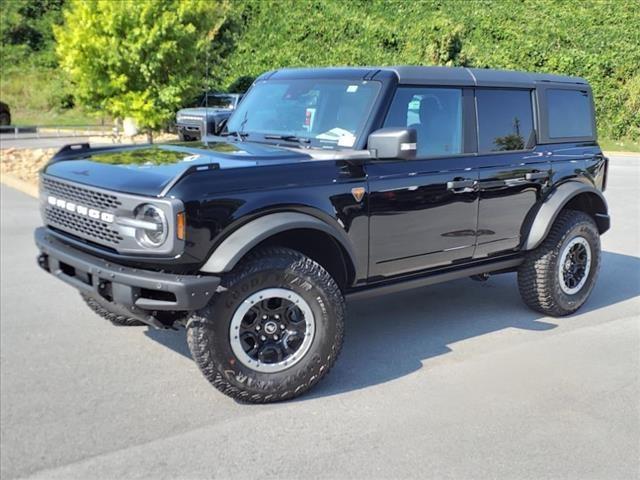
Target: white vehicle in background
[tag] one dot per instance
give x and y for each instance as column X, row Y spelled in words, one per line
column 206, row 119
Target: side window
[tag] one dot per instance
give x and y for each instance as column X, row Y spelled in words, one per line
column 505, row 119
column 435, row 113
column 569, row 113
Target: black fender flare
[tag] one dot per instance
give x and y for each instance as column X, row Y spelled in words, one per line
column 555, row 202
column 242, row 240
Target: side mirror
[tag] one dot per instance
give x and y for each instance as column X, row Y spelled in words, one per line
column 398, row 143
column 220, row 126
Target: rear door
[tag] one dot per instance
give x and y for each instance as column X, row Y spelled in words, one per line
column 423, row 212
column 512, row 172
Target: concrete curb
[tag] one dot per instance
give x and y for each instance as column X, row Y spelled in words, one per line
column 17, row 183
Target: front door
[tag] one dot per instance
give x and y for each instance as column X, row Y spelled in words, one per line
column 423, row 212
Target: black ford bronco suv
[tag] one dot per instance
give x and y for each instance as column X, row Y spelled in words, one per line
column 328, row 184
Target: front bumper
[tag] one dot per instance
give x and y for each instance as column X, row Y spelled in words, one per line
column 190, row 130
column 137, row 293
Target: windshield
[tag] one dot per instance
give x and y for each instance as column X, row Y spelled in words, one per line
column 322, row 113
column 218, row 101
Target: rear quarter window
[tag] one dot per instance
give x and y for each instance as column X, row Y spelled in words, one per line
column 569, row 113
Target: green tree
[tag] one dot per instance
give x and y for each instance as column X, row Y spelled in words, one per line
column 139, row 59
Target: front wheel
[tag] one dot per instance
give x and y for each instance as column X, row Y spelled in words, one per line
column 103, row 310
column 275, row 330
column 557, row 277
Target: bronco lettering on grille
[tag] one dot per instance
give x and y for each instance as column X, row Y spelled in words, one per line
column 80, row 209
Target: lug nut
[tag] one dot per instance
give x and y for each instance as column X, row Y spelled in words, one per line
column 282, row 326
column 263, row 338
column 264, row 317
column 275, row 337
column 277, row 317
column 258, row 328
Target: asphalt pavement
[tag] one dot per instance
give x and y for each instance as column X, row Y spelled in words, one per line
column 457, row 380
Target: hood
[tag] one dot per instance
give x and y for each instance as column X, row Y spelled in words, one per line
column 202, row 111
column 147, row 170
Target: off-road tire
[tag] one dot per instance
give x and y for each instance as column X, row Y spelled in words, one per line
column 104, row 312
column 208, row 330
column 538, row 278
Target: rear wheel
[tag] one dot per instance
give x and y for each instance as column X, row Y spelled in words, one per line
column 557, row 277
column 274, row 332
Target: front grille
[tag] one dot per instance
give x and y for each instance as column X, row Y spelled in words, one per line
column 83, row 226
column 71, row 221
column 96, row 215
column 81, row 195
column 190, row 123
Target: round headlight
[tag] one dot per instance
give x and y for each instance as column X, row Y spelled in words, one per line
column 155, row 232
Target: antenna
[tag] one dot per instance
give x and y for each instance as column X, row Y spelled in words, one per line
column 205, row 130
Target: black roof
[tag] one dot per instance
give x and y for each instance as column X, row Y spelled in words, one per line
column 411, row 75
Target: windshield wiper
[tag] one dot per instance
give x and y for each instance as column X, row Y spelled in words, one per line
column 239, row 135
column 288, row 138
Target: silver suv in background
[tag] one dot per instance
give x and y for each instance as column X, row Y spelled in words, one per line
column 206, row 119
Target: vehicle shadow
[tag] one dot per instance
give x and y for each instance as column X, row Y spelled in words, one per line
column 391, row 336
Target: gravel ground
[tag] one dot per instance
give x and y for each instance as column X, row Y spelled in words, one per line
column 458, row 380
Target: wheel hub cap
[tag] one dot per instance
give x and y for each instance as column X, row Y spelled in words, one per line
column 574, row 265
column 272, row 330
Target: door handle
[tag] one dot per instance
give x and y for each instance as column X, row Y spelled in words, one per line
column 461, row 186
column 537, row 176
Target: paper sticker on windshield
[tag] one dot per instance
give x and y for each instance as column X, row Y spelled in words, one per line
column 352, row 88
column 346, row 141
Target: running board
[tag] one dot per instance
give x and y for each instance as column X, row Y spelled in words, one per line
column 432, row 279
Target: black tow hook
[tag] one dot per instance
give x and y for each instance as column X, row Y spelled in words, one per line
column 43, row 261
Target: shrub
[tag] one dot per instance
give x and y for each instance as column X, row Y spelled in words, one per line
column 596, row 40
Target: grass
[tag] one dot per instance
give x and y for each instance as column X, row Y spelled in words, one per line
column 63, row 118
column 619, row 145
column 35, row 97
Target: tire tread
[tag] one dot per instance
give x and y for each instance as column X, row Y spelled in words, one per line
column 534, row 283
column 198, row 344
column 114, row 318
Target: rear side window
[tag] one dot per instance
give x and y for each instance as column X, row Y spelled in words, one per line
column 505, row 120
column 569, row 113
column 435, row 113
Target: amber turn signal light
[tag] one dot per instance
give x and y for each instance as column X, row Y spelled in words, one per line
column 181, row 225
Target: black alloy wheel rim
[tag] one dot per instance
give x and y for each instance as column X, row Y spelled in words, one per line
column 272, row 330
column 575, row 265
